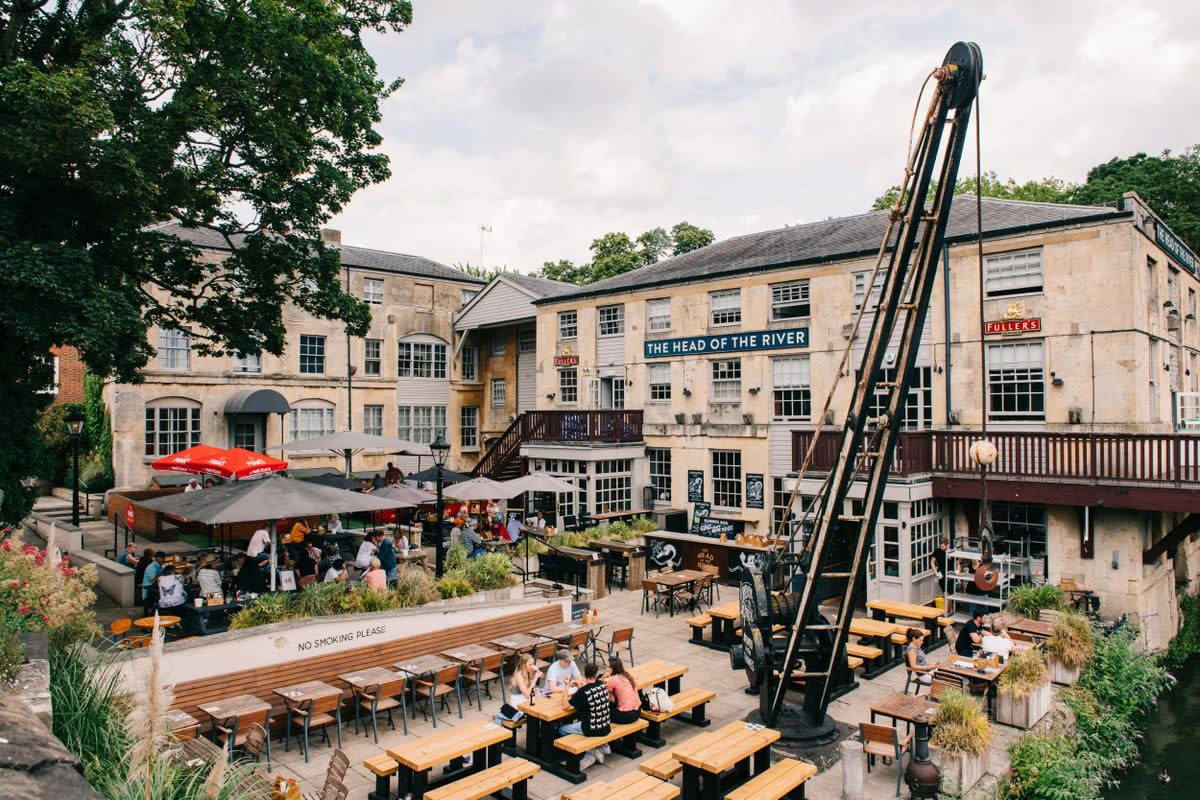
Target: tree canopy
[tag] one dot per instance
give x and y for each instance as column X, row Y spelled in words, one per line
column 1045, row 190
column 615, row 253
column 256, row 120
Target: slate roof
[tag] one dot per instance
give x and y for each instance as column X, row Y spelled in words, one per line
column 362, row 257
column 833, row 240
column 542, row 287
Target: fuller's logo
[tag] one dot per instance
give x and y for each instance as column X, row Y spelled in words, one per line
column 1014, row 322
column 567, row 358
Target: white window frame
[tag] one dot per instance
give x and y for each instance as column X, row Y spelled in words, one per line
column 174, row 349
column 499, row 393
column 725, row 308
column 373, row 420
column 419, row 423
column 726, row 380
column 568, row 325
column 658, row 460
column 312, row 349
column 170, row 426
column 467, row 295
column 469, row 367
column 1015, row 273
column 1017, row 370
column 373, row 357
column 311, row 419
column 658, row 315
column 421, row 360
column 373, row 291
column 860, row 289
column 613, row 485
column 727, row 478
column 791, row 389
column 247, row 364
column 658, row 381
column 468, row 428
column 790, row 301
column 610, row 320
column 52, row 388
column 568, row 385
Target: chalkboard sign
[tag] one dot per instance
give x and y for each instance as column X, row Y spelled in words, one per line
column 714, row 527
column 754, row 490
column 577, row 610
column 695, row 486
column 700, row 513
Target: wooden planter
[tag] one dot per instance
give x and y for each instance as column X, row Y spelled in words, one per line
column 1060, row 673
column 960, row 772
column 1023, row 712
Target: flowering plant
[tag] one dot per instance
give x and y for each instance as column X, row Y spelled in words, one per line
column 37, row 595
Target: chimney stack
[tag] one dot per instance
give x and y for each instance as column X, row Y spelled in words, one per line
column 332, row 237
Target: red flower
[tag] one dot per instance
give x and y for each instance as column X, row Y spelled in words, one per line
column 13, row 584
column 5, row 545
column 23, row 609
column 46, row 618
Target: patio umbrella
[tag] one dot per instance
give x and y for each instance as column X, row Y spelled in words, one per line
column 540, row 482
column 335, row 481
column 269, row 498
column 481, row 489
column 405, row 495
column 429, row 475
column 185, row 460
column 239, row 463
column 347, row 443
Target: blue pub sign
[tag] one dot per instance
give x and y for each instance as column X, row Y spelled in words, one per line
column 779, row 339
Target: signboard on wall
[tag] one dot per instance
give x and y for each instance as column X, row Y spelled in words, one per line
column 726, row 343
column 1012, row 327
column 700, row 513
column 695, row 486
column 754, row 490
column 714, row 528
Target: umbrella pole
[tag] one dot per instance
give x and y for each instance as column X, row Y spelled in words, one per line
column 346, row 455
column 274, row 553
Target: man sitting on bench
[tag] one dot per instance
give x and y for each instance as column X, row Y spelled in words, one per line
column 593, row 712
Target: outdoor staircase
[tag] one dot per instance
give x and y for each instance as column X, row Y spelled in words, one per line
column 502, row 461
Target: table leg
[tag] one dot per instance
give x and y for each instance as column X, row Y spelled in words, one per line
column 762, row 760
column 493, row 755
column 533, row 737
column 420, row 784
column 691, row 781
column 673, row 685
column 671, row 600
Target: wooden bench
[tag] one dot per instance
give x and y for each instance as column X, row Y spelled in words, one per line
column 784, row 779
column 383, row 767
column 630, row 786
column 902, row 638
column 662, row 766
column 692, row 700
column 513, row 773
column 854, row 662
column 698, row 624
column 863, row 651
column 513, row 725
column 622, row 738
column 945, row 622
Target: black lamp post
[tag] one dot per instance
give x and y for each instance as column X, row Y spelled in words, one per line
column 441, row 451
column 74, row 422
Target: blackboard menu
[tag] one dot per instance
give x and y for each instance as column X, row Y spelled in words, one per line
column 754, row 490
column 695, row 486
column 700, row 513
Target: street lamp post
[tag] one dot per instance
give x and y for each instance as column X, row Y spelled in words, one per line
column 74, row 422
column 441, row 451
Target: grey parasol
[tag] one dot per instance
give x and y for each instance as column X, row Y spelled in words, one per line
column 347, row 443
column 540, row 482
column 481, row 489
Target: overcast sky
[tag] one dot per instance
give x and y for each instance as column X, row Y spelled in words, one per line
column 556, row 122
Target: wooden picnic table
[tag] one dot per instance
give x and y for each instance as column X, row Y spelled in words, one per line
column 515, row 643
column 964, row 668
column 1031, row 627
column 891, row 610
column 906, row 707
column 657, row 672
column 297, row 693
column 541, row 728
column 470, row 653
column 164, row 621
column 420, row 667
column 635, row 785
column 417, row 758
column 882, row 632
column 706, row 758
column 224, row 711
column 725, row 619
column 183, row 724
column 363, row 678
column 674, row 581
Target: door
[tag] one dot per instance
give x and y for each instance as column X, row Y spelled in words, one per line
column 248, row 433
column 526, row 369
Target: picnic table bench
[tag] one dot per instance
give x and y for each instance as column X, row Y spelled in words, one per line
column 706, row 760
column 622, row 739
column 691, row 700
column 785, row 779
column 513, row 774
column 892, row 610
column 657, row 673
column 416, row 759
column 630, row 786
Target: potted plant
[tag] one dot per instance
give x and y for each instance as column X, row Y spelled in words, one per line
column 1023, row 690
column 1069, row 648
column 961, row 741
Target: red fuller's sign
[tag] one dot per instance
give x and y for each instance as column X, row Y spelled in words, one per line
column 566, row 361
column 1013, row 326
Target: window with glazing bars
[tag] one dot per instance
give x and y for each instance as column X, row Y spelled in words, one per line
column 791, row 388
column 659, row 459
column 725, row 307
column 1016, row 381
column 312, row 354
column 372, row 356
column 727, row 478
column 790, row 300
column 727, row 381
column 659, row 378
column 610, row 320
column 658, row 315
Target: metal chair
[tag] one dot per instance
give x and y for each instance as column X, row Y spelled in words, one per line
column 332, row 790
column 884, row 741
column 701, row 592
column 578, row 644
column 232, row 733
column 335, row 775
column 620, row 640
column 653, row 594
column 445, row 682
column 310, row 714
column 715, row 586
column 381, row 697
column 482, row 672
column 543, row 655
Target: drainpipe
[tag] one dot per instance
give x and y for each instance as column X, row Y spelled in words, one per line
column 946, row 316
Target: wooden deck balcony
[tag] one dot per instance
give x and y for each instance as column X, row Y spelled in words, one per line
column 1120, row 470
column 608, row 426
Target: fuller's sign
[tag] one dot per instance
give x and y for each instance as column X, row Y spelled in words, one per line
column 727, row 343
column 1012, row 327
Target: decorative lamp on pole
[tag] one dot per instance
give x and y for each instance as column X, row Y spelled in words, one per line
column 74, row 422
column 441, row 451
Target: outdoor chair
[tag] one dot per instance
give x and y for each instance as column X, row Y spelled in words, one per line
column 381, row 697
column 620, row 640
column 314, row 714
column 482, row 672
column 334, row 787
column 543, row 655
column 439, row 688
column 653, row 594
column 942, row 684
column 884, row 741
column 579, row 644
column 715, row 586
column 701, row 592
column 120, row 628
column 332, row 790
column 231, row 733
column 256, row 744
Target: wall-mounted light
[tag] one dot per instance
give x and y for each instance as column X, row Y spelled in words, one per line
column 687, row 392
column 753, row 390
column 1167, row 367
column 1055, row 380
column 1116, row 562
column 550, row 396
column 1169, row 304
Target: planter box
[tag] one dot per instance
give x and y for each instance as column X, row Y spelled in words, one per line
column 1060, row 674
column 1023, row 712
column 960, row 772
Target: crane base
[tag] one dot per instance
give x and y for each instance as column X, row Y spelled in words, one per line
column 797, row 726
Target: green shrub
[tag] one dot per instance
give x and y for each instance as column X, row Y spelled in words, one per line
column 266, row 609
column 960, row 726
column 491, row 571
column 88, row 713
column 456, row 559
column 1112, row 739
column 319, row 600
column 415, row 588
column 643, row 525
column 617, row 532
column 1029, row 600
column 1123, row 678
column 1050, row 768
column 1187, row 642
column 369, row 600
column 454, row 585
column 12, row 655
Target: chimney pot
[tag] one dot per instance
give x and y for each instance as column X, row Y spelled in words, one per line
column 331, row 237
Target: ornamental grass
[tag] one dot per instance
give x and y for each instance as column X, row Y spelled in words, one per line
column 1026, row 673
column 1073, row 641
column 959, row 726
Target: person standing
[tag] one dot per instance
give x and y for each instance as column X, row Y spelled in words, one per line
column 260, row 541
column 939, row 562
column 392, row 476
column 593, row 713
column 386, row 553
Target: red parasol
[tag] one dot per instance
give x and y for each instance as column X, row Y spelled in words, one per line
column 187, row 460
column 234, row 463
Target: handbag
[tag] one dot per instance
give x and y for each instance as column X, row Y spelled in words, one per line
column 645, row 701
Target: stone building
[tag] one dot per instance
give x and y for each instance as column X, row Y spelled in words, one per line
column 393, row 381
column 708, row 372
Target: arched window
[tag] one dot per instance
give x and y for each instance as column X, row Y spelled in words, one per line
column 172, row 424
column 421, row 356
column 311, row 418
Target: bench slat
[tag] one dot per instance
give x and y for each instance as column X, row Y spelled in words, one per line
column 662, row 766
column 776, row 782
column 683, row 702
column 864, row 651
column 482, row 784
column 382, row 766
column 577, row 743
column 702, row 621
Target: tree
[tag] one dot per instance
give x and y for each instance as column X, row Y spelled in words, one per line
column 1044, row 190
column 1169, row 183
column 253, row 120
column 687, row 237
column 486, row 273
column 615, row 253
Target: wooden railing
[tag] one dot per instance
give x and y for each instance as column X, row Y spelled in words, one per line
column 1168, row 459
column 609, row 426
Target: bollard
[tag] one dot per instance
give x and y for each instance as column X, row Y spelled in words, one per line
column 854, row 770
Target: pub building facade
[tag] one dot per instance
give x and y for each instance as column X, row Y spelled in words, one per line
column 699, row 380
column 399, row 381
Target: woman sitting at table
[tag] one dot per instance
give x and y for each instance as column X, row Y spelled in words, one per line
column 915, row 658
column 627, row 705
column 521, row 687
column 336, row 572
column 208, row 577
column 997, row 642
column 375, row 577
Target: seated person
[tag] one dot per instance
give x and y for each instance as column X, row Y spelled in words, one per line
column 260, row 541
column 172, row 598
column 593, row 713
column 624, row 694
column 130, row 557
column 366, row 550
column 915, row 658
column 536, row 523
column 471, row 541
column 334, row 526
column 208, row 576
column 970, row 635
column 336, row 572
column 376, row 577
column 997, row 642
column 521, row 687
column 252, row 577
column 563, row 674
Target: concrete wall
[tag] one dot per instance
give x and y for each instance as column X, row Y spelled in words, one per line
column 115, row 580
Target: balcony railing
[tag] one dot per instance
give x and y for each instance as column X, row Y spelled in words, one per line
column 601, row 425
column 1144, row 459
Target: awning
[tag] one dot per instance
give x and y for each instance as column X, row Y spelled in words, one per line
column 257, row 401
